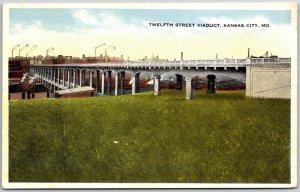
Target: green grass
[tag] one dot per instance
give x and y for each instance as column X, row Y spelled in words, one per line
column 225, row 137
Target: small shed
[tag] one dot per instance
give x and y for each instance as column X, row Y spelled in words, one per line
column 38, row 91
column 16, row 91
column 75, row 92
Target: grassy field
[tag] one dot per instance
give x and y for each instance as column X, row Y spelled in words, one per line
column 225, row 137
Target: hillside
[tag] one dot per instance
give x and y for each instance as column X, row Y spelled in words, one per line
column 225, row 137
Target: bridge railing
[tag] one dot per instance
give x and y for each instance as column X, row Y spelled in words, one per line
column 183, row 63
column 270, row 60
column 284, row 60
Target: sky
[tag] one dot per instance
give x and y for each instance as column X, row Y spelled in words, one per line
column 76, row 32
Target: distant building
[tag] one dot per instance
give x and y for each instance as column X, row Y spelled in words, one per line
column 17, row 68
column 153, row 59
column 83, row 60
column 36, row 60
column 16, row 92
column 38, row 91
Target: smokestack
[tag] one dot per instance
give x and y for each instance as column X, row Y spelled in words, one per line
column 248, row 52
column 216, row 55
column 181, row 56
column 267, row 54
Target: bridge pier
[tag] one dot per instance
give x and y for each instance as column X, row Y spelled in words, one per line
column 68, row 78
column 179, row 82
column 135, row 83
column 91, row 78
column 188, row 88
column 116, row 83
column 83, row 78
column 54, row 80
column 97, row 80
column 51, row 77
column 74, row 78
column 157, row 85
column 80, row 77
column 63, row 77
column 108, row 82
column 43, row 75
column 122, row 78
column 46, row 77
column 58, row 77
column 102, row 82
column 211, row 84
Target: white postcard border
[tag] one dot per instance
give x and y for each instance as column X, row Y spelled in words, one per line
column 212, row 6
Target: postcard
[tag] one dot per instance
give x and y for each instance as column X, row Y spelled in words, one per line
column 149, row 95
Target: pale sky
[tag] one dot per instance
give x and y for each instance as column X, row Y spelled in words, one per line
column 78, row 31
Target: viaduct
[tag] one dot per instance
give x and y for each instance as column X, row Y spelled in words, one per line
column 66, row 76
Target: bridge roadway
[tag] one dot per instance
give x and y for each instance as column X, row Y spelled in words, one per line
column 66, row 76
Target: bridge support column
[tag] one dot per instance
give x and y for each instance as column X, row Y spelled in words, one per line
column 54, row 81
column 42, row 81
column 188, row 88
column 179, row 82
column 46, row 77
column 102, row 82
column 63, row 78
column 40, row 75
column 58, row 78
column 71, row 78
column 43, row 76
column 74, row 78
column 157, row 85
column 83, row 77
column 80, row 78
column 116, row 83
column 135, row 83
column 51, row 78
column 108, row 82
column 68, row 83
column 91, row 78
column 211, row 84
column 122, row 78
column 97, row 81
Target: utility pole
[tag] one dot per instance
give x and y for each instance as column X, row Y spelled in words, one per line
column 12, row 51
column 103, row 44
column 22, row 49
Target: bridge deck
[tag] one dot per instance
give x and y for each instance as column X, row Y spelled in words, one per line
column 178, row 64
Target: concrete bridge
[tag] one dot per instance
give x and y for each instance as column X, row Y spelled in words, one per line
column 66, row 76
